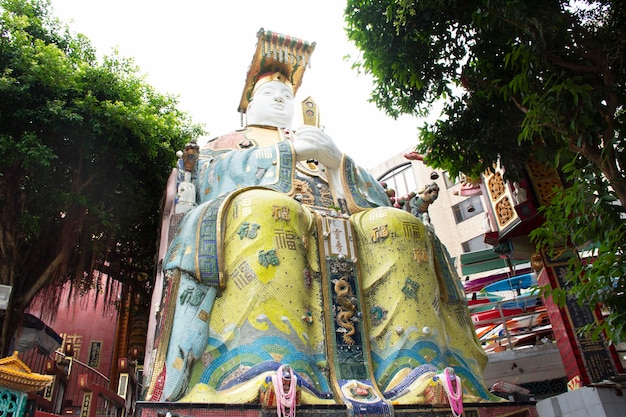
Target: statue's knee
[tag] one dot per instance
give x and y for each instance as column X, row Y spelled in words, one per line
column 260, row 202
column 392, row 222
column 267, row 207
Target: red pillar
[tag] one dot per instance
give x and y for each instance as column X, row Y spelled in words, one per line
column 585, row 358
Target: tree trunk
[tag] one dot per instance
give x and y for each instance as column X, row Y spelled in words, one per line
column 619, row 186
column 611, row 171
column 606, row 160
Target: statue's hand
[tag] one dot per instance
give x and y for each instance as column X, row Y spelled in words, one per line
column 313, row 143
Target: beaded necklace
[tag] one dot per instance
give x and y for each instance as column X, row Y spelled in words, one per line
column 452, row 385
column 285, row 401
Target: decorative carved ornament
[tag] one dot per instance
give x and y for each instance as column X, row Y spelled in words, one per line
column 496, row 186
column 504, row 211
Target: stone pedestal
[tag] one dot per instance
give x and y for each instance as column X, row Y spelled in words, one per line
column 494, row 409
column 584, row 402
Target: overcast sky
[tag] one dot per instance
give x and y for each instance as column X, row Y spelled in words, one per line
column 200, row 50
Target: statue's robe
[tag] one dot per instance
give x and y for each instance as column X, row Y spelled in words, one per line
column 259, row 274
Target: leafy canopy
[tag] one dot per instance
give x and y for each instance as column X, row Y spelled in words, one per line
column 517, row 78
column 86, row 147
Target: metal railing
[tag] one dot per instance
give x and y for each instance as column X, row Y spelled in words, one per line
column 510, row 329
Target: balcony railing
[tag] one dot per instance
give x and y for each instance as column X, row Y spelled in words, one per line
column 511, row 329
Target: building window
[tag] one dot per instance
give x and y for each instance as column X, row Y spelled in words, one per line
column 400, row 179
column 475, row 244
column 450, row 182
column 467, row 209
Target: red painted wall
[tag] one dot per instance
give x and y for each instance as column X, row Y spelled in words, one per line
column 88, row 325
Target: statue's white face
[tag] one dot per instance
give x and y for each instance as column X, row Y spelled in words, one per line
column 272, row 105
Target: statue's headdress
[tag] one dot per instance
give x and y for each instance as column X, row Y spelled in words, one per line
column 277, row 58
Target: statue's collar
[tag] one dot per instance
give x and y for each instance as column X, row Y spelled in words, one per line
column 264, row 126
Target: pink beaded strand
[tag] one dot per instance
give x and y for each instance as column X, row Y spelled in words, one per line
column 285, row 401
column 452, row 385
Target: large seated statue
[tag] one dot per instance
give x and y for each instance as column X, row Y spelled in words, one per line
column 290, row 257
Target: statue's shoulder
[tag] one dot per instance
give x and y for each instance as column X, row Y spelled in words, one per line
column 232, row 140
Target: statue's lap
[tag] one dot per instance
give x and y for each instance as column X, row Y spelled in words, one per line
column 271, row 310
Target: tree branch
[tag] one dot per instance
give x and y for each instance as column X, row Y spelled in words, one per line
column 555, row 59
column 43, row 279
column 519, row 104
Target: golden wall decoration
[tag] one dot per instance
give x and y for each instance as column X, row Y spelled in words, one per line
column 545, row 181
column 503, row 214
column 496, row 186
column 504, row 211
